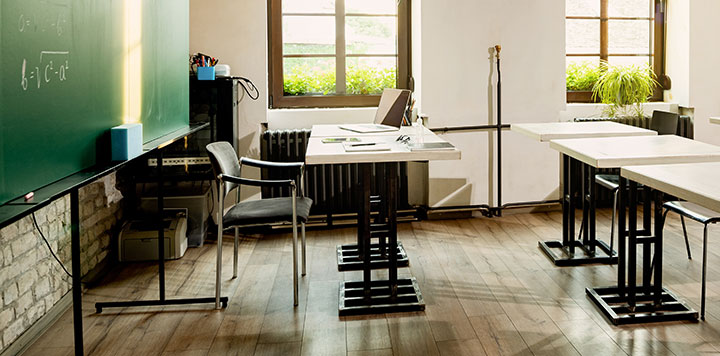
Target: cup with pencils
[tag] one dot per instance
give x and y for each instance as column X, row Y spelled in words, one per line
column 205, row 66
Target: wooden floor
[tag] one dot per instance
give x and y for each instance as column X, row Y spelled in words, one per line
column 488, row 289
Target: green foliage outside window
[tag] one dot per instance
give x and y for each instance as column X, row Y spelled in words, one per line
column 581, row 76
column 301, row 80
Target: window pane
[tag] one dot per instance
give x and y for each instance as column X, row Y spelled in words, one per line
column 627, row 60
column 582, row 7
column 385, row 7
column 370, row 75
column 594, row 60
column 629, row 36
column 309, row 76
column 582, row 36
column 309, row 34
column 371, row 35
column 629, row 8
column 308, row 6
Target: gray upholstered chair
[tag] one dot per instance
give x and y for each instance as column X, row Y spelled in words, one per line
column 703, row 216
column 263, row 212
column 665, row 123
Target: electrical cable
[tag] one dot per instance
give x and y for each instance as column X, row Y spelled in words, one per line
column 48, row 246
column 249, row 87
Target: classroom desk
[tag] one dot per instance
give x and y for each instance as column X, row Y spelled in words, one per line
column 589, row 250
column 616, row 152
column 379, row 296
column 16, row 209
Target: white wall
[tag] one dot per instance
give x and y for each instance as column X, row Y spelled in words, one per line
column 704, row 72
column 458, row 76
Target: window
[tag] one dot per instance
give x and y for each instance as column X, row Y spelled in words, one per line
column 621, row 32
column 337, row 53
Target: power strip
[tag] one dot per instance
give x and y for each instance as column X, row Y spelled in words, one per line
column 180, row 161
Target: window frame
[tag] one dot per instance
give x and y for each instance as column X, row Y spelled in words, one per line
column 277, row 97
column 657, row 50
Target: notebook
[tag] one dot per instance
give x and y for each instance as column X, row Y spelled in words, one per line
column 389, row 114
column 365, row 146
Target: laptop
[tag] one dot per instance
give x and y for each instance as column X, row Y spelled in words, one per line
column 389, row 114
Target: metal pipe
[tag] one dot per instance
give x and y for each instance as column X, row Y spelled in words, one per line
column 498, row 212
column 469, row 128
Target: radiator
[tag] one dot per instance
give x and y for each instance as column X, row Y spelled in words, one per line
column 684, row 129
column 330, row 186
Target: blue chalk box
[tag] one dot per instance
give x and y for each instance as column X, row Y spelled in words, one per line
column 126, row 141
column 206, row 73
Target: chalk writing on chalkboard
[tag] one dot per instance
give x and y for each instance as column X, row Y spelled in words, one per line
column 52, row 67
column 34, row 23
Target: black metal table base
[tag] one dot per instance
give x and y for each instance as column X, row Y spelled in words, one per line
column 349, row 257
column 352, row 299
column 617, row 309
column 560, row 254
column 149, row 303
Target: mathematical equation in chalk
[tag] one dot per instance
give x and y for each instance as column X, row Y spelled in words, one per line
column 47, row 23
column 52, row 67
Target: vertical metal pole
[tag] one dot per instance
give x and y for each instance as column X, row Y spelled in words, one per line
column 592, row 193
column 499, row 134
column 391, row 197
column 585, row 192
column 571, row 207
column 76, row 271
column 364, row 227
column 658, row 256
column 632, row 245
column 566, row 232
column 622, row 234
column 161, row 224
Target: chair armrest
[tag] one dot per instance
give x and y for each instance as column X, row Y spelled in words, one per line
column 265, row 164
column 256, row 182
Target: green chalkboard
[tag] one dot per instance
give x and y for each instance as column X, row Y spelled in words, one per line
column 63, row 70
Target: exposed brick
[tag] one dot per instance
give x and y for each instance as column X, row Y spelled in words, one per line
column 13, row 331
column 6, row 316
column 23, row 244
column 23, row 303
column 43, row 287
column 26, row 281
column 10, row 294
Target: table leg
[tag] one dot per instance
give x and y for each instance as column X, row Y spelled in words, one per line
column 571, row 208
column 566, row 234
column 622, row 235
column 585, row 192
column 632, row 245
column 76, row 272
column 161, row 228
column 592, row 193
column 658, row 258
column 391, row 199
column 364, row 227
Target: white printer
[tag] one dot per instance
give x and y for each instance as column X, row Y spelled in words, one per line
column 138, row 238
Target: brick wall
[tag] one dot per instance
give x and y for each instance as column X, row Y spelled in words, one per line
column 31, row 281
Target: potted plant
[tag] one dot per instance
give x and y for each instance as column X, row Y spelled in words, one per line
column 580, row 78
column 624, row 89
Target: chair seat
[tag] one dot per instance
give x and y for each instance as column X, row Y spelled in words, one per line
column 693, row 211
column 266, row 211
column 609, row 181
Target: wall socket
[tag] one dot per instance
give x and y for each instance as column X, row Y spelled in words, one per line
column 180, row 161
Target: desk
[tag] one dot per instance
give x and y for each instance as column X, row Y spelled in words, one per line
column 620, row 152
column 336, row 131
column 380, row 296
column 16, row 209
column 563, row 253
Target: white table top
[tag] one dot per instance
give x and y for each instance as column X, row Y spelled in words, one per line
column 547, row 131
column 331, row 153
column 336, row 131
column 613, row 152
column 715, row 120
column 694, row 182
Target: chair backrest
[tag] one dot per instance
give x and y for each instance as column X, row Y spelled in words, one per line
column 665, row 123
column 224, row 160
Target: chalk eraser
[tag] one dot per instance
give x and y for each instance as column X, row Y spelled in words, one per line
column 126, row 141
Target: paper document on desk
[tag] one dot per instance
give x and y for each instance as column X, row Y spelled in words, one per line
column 431, row 146
column 365, row 146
